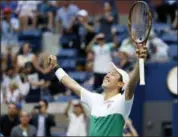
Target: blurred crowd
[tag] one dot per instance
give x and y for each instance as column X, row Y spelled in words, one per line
column 18, row 122
column 25, row 73
column 39, row 121
column 25, row 76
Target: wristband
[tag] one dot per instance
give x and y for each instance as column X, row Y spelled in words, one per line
column 60, row 73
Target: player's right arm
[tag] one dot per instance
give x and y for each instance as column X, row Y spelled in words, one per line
column 71, row 84
column 85, row 95
column 64, row 78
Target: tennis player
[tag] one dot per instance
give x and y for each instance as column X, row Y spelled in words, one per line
column 108, row 111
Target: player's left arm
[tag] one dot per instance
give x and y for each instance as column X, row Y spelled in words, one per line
column 141, row 52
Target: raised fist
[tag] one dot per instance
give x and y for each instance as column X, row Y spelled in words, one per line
column 141, row 52
column 52, row 61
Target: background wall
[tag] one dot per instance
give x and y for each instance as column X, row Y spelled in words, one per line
column 153, row 102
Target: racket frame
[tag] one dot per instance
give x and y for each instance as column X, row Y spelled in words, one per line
column 141, row 60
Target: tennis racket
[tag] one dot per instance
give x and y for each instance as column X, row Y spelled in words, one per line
column 139, row 24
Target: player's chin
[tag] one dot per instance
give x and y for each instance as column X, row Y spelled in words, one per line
column 104, row 84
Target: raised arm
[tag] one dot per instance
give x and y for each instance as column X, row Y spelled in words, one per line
column 64, row 78
column 68, row 108
column 92, row 42
column 141, row 52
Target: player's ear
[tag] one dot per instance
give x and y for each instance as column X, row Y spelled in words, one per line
column 120, row 84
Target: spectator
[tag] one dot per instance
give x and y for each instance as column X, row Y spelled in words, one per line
column 45, row 14
column 113, row 4
column 35, row 111
column 107, row 21
column 3, row 60
column 157, row 48
column 10, row 28
column 8, row 4
column 24, row 129
column 26, row 11
column 25, row 56
column 10, row 57
column 11, row 77
column 10, row 120
column 175, row 22
column 65, row 16
column 36, row 81
column 12, row 94
column 166, row 10
column 43, row 121
column 102, row 51
column 66, row 24
column 129, row 129
column 128, row 46
column 89, row 63
column 86, row 28
column 76, row 114
column 124, row 62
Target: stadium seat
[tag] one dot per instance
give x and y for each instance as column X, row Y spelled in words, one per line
column 48, row 98
column 69, row 53
column 81, row 61
column 122, row 37
column 170, row 39
column 161, row 26
column 58, row 134
column 68, row 64
column 33, row 37
column 121, row 29
column 64, row 98
column 80, row 76
column 173, row 51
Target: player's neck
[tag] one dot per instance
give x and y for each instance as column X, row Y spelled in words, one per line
column 109, row 94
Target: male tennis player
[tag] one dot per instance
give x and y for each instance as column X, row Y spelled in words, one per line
column 108, row 111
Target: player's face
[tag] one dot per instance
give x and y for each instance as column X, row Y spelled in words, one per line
column 111, row 80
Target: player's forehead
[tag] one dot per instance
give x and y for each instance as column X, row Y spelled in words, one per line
column 114, row 72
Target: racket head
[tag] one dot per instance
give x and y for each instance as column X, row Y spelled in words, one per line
column 140, row 22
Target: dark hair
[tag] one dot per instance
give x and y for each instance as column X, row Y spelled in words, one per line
column 121, row 79
column 30, row 64
column 10, row 67
column 45, row 101
column 22, row 46
column 37, row 107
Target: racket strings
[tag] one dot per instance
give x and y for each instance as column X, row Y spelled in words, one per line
column 139, row 18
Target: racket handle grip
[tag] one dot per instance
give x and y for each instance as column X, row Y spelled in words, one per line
column 142, row 71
